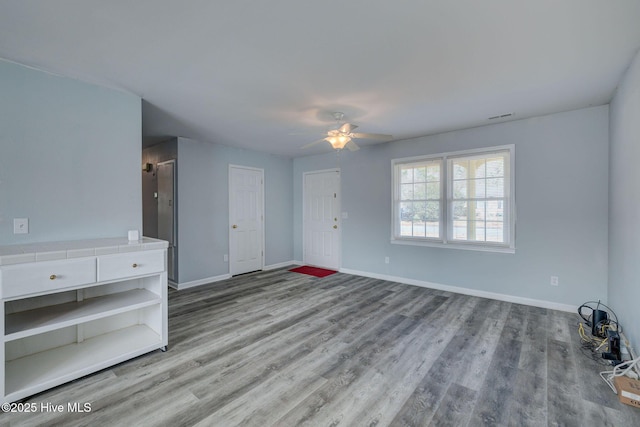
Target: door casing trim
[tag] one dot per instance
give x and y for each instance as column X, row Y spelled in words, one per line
column 262, row 210
column 304, row 200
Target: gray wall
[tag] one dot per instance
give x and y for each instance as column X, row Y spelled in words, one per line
column 69, row 157
column 561, row 198
column 203, row 217
column 624, row 202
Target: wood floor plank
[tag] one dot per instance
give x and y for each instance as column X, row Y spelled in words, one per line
column 564, row 403
column 429, row 392
column 285, row 391
column 241, row 381
column 534, row 342
column 407, row 363
column 281, row 348
column 478, row 356
column 498, row 386
column 345, row 370
column 562, row 325
column 454, row 408
column 527, row 406
column 385, row 380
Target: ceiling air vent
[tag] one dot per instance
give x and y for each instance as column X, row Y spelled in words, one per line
column 501, row 116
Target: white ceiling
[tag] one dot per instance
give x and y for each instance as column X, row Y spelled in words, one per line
column 266, row 75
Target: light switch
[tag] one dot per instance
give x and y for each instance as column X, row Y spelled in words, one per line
column 20, row 225
column 345, row 215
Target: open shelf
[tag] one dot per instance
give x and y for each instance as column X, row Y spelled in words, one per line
column 37, row 321
column 67, row 317
column 37, row 372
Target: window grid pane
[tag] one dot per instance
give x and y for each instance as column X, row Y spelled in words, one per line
column 420, row 200
column 478, row 195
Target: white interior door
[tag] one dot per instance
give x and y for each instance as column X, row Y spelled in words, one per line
column 246, row 232
column 322, row 219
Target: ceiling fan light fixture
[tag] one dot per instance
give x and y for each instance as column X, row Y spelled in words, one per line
column 338, row 142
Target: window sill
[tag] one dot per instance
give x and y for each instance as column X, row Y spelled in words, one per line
column 461, row 246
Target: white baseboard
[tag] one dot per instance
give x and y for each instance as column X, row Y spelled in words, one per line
column 465, row 291
column 424, row 284
column 280, row 265
column 199, row 282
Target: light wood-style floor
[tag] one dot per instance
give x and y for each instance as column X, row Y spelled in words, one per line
column 285, row 349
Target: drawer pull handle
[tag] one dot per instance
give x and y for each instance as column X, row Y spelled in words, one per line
column 53, row 277
column 135, row 265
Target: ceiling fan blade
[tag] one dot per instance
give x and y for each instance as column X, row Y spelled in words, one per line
column 378, row 136
column 352, row 146
column 313, row 143
column 347, row 128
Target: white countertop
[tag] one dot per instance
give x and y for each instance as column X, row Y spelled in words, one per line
column 48, row 251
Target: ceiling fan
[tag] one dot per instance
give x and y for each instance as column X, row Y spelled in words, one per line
column 343, row 136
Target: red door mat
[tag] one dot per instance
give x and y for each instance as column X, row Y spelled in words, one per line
column 313, row 271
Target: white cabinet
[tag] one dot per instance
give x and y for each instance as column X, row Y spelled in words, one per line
column 113, row 267
column 66, row 318
column 50, row 276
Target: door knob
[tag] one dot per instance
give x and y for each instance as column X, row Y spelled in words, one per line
column 234, row 226
column 335, row 226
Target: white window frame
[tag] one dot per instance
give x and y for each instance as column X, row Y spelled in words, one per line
column 445, row 201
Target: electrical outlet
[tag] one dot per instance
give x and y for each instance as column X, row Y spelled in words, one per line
column 554, row 281
column 386, row 260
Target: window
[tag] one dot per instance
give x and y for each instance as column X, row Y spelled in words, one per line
column 461, row 199
column 420, row 199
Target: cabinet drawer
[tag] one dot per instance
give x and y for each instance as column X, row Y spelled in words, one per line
column 131, row 264
column 49, row 276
